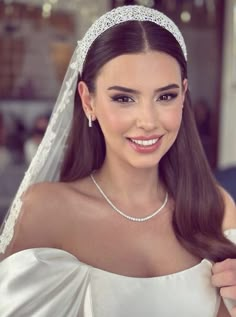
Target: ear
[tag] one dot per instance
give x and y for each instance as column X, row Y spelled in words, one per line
column 86, row 99
column 184, row 88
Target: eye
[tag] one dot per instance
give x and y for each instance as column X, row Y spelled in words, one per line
column 122, row 99
column 168, row 97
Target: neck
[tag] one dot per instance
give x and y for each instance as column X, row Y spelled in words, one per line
column 132, row 184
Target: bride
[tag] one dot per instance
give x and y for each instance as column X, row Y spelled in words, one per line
column 119, row 214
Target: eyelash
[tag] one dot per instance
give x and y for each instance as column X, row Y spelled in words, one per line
column 167, row 97
column 170, row 96
column 117, row 98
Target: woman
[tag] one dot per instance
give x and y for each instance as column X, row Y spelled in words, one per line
column 136, row 220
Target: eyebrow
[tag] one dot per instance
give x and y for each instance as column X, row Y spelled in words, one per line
column 133, row 91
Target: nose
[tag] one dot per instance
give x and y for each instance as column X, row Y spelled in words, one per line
column 146, row 118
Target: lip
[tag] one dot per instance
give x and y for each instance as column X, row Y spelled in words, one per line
column 145, row 149
column 150, row 137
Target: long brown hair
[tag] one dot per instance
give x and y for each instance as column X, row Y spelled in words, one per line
column 199, row 206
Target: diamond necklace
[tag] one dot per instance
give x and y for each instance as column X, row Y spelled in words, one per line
column 122, row 213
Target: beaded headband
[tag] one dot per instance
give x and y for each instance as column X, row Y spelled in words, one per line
column 123, row 14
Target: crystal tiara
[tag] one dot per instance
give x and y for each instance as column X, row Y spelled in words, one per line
column 123, row 14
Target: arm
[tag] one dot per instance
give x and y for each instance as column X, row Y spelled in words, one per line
column 39, row 224
column 224, row 273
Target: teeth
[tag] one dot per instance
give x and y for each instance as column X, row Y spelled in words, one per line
column 145, row 142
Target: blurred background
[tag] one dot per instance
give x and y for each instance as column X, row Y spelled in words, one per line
column 37, row 38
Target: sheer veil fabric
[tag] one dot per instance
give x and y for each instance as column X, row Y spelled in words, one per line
column 46, row 164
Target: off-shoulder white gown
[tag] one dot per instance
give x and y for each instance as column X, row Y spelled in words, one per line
column 46, row 282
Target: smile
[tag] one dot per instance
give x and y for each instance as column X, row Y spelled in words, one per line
column 144, row 145
column 145, row 142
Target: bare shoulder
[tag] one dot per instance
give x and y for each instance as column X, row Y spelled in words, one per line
column 229, row 221
column 43, row 216
column 45, row 197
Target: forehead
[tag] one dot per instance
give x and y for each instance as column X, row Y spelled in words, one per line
column 133, row 68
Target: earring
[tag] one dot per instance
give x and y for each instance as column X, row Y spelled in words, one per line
column 90, row 122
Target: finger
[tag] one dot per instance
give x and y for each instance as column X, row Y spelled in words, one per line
column 228, row 264
column 226, row 278
column 228, row 292
column 233, row 312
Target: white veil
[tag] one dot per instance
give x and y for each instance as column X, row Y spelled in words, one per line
column 46, row 164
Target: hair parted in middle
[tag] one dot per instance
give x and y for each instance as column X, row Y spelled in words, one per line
column 184, row 170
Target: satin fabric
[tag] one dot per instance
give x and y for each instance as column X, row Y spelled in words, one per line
column 50, row 282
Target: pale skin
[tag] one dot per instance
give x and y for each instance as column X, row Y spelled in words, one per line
column 78, row 219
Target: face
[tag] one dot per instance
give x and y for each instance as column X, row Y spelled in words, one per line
column 138, row 102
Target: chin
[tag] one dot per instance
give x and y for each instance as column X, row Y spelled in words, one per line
column 145, row 164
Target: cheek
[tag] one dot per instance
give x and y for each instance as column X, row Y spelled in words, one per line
column 111, row 117
column 112, row 120
column 172, row 119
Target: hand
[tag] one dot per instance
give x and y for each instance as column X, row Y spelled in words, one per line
column 224, row 277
